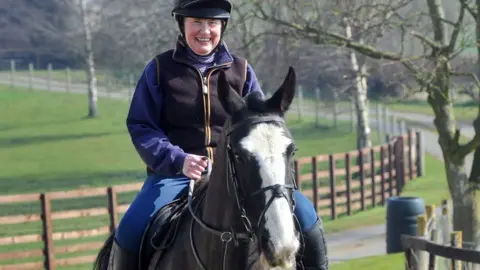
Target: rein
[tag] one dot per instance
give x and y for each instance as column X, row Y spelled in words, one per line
column 226, row 236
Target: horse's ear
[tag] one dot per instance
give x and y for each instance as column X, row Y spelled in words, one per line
column 283, row 97
column 230, row 100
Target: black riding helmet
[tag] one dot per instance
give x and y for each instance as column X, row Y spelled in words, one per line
column 208, row 9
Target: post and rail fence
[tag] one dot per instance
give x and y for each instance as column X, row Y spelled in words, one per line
column 338, row 184
column 437, row 246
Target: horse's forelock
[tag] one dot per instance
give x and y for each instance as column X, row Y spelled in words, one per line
column 255, row 102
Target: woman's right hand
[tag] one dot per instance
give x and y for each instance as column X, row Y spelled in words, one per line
column 193, row 166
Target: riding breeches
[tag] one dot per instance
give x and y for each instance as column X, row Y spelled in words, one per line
column 158, row 191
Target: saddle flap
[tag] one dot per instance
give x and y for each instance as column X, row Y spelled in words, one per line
column 162, row 228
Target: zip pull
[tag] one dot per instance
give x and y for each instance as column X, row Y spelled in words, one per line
column 204, row 87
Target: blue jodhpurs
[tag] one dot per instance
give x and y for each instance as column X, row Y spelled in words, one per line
column 157, row 191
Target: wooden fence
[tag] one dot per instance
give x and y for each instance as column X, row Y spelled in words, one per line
column 457, row 255
column 348, row 182
column 436, row 245
column 359, row 179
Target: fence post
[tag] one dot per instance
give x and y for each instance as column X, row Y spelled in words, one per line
column 317, row 107
column 386, row 128
column 49, row 77
column 131, row 87
column 410, row 152
column 315, row 183
column 12, row 73
column 333, row 190
column 399, row 164
column 420, row 255
column 420, row 152
column 382, row 173
column 112, row 208
column 69, row 79
column 380, row 130
column 390, row 169
column 353, row 120
column 335, row 109
column 361, row 174
column 300, row 103
column 456, row 241
column 348, row 182
column 373, row 176
column 30, row 76
column 46, row 206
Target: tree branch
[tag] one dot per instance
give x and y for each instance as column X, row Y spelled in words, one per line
column 426, row 40
column 456, row 29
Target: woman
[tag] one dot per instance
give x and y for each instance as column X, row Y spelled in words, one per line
column 174, row 122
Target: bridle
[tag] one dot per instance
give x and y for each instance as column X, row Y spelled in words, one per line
column 277, row 191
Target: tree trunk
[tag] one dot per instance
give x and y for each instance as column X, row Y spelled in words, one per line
column 89, row 63
column 462, row 188
column 360, row 96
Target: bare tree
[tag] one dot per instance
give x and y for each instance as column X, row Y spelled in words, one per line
column 433, row 73
column 361, row 21
column 132, row 32
column 89, row 61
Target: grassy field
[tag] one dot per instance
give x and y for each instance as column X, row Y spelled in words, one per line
column 391, row 262
column 104, row 77
column 47, row 144
column 464, row 111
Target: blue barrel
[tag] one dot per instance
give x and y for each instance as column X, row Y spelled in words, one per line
column 402, row 215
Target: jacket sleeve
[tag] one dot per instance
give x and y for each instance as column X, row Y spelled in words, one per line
column 143, row 124
column 251, row 83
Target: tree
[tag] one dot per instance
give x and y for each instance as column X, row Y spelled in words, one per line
column 360, row 21
column 89, row 61
column 433, row 73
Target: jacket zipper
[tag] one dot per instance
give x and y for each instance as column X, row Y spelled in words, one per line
column 207, row 105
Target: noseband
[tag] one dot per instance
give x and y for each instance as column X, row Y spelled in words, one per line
column 277, row 191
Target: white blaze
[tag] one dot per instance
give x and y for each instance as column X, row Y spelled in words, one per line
column 268, row 143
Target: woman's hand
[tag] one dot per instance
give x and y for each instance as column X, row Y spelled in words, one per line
column 193, row 166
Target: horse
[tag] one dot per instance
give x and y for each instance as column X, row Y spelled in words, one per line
column 242, row 215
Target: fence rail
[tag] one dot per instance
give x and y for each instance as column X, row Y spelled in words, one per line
column 436, row 245
column 336, row 183
column 414, row 243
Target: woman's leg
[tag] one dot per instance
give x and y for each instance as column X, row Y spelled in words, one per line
column 156, row 192
column 314, row 252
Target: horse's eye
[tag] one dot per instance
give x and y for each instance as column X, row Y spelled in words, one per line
column 292, row 151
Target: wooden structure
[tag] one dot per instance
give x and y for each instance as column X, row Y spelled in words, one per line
column 436, row 243
column 348, row 182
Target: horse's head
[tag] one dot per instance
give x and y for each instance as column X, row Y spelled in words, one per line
column 260, row 163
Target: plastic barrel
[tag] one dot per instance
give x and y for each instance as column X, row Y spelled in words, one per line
column 402, row 215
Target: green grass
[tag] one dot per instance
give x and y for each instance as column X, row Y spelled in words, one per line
column 391, row 262
column 77, row 76
column 47, row 144
column 432, row 187
column 464, row 111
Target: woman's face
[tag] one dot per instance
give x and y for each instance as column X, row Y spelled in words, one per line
column 202, row 35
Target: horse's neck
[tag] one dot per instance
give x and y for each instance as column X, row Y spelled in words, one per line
column 219, row 207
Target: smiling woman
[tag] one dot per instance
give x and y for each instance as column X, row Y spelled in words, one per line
column 176, row 118
column 202, row 35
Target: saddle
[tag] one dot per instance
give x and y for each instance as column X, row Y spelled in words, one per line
column 162, row 229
